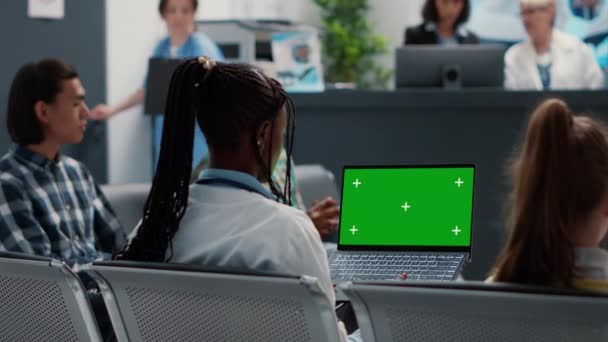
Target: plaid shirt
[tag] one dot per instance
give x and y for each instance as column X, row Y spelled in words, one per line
column 54, row 209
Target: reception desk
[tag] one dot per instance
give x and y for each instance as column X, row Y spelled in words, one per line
column 482, row 127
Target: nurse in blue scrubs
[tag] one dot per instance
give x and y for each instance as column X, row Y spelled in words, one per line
column 183, row 42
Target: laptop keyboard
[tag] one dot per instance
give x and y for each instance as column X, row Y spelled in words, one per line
column 388, row 266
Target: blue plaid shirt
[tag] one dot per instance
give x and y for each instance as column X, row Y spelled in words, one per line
column 54, row 209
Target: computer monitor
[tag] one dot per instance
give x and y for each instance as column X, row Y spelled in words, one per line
column 465, row 66
column 160, row 71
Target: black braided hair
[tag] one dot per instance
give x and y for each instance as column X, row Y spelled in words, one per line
column 227, row 100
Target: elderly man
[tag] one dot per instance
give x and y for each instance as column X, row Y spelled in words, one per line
column 549, row 59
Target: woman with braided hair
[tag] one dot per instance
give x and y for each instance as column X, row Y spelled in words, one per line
column 227, row 218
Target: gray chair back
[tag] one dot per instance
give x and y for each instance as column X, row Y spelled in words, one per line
column 316, row 183
column 42, row 300
column 473, row 312
column 128, row 202
column 169, row 302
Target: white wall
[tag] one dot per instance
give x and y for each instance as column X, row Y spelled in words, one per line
column 390, row 18
column 134, row 26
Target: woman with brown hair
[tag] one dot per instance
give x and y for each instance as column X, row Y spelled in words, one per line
column 559, row 204
column 444, row 24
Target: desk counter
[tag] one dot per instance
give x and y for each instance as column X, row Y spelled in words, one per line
column 482, row 127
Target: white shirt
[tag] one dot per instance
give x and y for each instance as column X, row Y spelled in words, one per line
column 235, row 228
column 173, row 51
column 591, row 263
column 573, row 66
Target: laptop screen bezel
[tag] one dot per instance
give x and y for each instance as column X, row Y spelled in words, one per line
column 406, row 248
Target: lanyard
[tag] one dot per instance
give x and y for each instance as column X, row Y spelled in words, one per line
column 215, row 180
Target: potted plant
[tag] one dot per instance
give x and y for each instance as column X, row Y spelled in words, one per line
column 350, row 45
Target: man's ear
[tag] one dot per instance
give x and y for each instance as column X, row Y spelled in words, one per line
column 264, row 135
column 41, row 110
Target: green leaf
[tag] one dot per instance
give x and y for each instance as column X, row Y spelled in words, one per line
column 349, row 44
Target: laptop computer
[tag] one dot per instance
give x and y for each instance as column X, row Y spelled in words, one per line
column 404, row 219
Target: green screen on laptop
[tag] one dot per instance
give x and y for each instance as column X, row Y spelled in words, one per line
column 407, row 206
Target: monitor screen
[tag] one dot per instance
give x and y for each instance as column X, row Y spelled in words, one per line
column 407, row 206
column 476, row 66
column 231, row 51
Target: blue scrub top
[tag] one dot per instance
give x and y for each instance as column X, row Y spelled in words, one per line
column 197, row 44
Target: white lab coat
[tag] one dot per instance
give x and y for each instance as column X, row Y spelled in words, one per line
column 501, row 20
column 573, row 66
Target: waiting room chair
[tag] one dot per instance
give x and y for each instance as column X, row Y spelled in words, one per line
column 473, row 311
column 316, row 183
column 41, row 299
column 174, row 302
column 128, row 202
